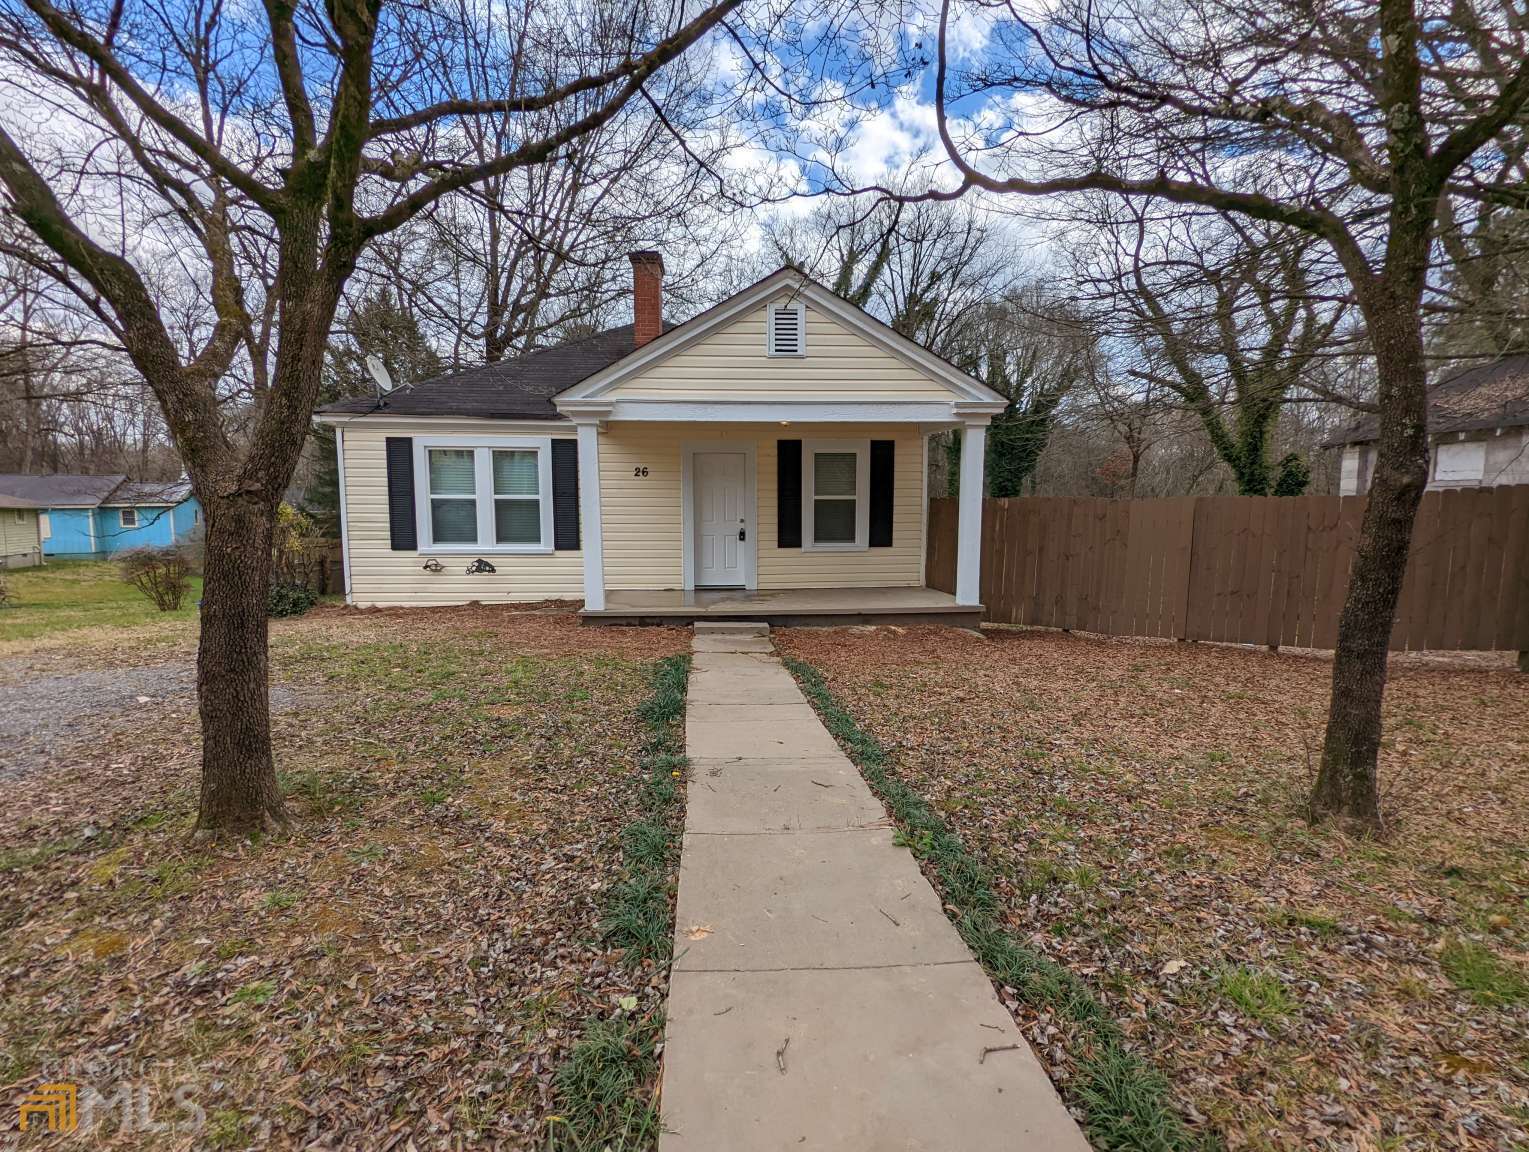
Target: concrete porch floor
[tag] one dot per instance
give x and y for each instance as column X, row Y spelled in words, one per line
column 798, row 607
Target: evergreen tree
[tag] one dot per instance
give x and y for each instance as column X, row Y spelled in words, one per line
column 377, row 326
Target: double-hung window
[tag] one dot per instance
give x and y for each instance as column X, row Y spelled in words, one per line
column 127, row 517
column 835, row 482
column 484, row 494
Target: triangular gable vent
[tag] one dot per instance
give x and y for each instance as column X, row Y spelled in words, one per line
column 786, row 333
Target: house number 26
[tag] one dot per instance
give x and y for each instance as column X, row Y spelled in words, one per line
column 640, row 470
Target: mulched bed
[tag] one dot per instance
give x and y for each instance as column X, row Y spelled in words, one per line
column 1141, row 807
column 410, row 963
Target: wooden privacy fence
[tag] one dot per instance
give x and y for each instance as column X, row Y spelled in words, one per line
column 1244, row 569
column 321, row 568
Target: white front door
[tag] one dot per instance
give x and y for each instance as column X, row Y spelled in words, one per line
column 721, row 530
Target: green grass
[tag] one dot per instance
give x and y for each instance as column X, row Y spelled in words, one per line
column 1258, row 995
column 258, row 993
column 1473, row 968
column 66, row 595
column 637, row 911
column 607, row 1088
column 1126, row 1102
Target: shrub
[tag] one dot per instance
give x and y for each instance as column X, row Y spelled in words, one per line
column 161, row 574
column 296, row 547
column 288, row 599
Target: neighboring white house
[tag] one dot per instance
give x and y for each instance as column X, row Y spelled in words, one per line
column 776, row 442
column 1478, row 432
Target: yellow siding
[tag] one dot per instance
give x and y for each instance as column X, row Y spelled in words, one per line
column 731, row 364
column 19, row 537
column 380, row 576
column 899, row 566
column 642, row 516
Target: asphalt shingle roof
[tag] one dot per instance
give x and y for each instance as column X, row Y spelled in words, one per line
column 60, row 489
column 1494, row 395
column 518, row 389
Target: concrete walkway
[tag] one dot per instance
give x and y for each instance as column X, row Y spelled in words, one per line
column 821, row 999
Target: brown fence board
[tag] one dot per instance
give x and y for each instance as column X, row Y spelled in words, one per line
column 1513, row 595
column 1459, row 505
column 1244, row 569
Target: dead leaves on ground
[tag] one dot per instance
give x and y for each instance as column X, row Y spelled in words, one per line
column 410, row 964
column 1140, row 804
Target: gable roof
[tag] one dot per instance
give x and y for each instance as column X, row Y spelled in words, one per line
column 18, row 502
column 534, row 386
column 517, row 389
column 783, row 279
column 60, row 490
column 1493, row 395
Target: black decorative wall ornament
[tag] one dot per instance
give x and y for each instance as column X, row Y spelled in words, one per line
column 480, row 565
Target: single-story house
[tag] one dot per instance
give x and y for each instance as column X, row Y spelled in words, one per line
column 766, row 459
column 102, row 515
column 20, row 533
column 1478, row 432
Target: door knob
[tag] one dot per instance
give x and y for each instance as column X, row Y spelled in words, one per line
column 743, row 534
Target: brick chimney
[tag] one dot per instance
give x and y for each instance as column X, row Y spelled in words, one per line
column 647, row 296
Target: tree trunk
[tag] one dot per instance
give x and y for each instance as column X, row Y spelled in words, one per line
column 1346, row 785
column 239, row 790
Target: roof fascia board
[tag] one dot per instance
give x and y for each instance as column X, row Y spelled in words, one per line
column 841, row 411
column 391, row 419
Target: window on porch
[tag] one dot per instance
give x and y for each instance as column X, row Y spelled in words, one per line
column 835, row 483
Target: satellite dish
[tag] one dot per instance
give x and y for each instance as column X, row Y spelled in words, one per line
column 379, row 372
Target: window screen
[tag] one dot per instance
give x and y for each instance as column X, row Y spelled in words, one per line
column 833, row 497
column 453, row 496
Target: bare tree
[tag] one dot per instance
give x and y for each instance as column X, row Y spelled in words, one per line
column 1355, row 124
column 920, row 266
column 323, row 128
column 1232, row 316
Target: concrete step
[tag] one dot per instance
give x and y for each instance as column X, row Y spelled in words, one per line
column 731, row 628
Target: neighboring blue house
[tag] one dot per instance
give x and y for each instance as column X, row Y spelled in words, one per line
column 104, row 515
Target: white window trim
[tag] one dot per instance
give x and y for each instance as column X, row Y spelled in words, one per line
column 122, row 517
column 1473, row 475
column 862, row 451
column 483, row 447
column 800, row 308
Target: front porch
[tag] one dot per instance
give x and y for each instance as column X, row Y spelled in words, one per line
column 786, row 607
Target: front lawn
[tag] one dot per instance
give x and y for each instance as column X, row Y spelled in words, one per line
column 70, row 595
column 1139, row 809
column 414, row 962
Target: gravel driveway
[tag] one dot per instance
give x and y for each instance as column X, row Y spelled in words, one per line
column 43, row 715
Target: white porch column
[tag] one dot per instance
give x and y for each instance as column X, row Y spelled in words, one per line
column 592, row 542
column 969, row 514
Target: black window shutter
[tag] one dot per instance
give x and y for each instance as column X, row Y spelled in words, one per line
column 401, row 529
column 788, row 493
column 883, row 453
column 565, row 495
